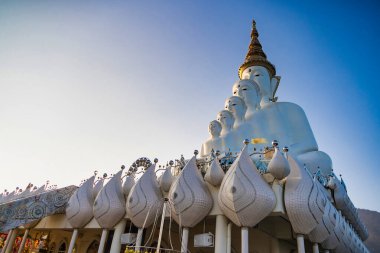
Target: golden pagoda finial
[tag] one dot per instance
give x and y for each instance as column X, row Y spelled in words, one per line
column 256, row 55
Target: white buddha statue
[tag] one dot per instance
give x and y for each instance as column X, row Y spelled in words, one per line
column 283, row 121
column 238, row 108
column 249, row 91
column 267, row 84
column 230, row 138
column 259, row 123
column 214, row 142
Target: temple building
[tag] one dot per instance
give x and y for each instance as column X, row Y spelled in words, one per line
column 259, row 184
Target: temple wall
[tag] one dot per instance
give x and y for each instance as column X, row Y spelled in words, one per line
column 272, row 235
column 56, row 237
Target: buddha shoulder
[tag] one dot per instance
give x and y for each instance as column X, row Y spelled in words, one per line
column 284, row 107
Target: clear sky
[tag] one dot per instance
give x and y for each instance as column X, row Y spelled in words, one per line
column 88, row 85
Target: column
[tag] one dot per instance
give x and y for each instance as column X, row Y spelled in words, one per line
column 7, row 241
column 161, row 227
column 244, row 240
column 11, row 241
column 300, row 244
column 22, row 244
column 185, row 239
column 315, row 248
column 140, row 232
column 73, row 240
column 103, row 240
column 221, row 234
column 116, row 240
column 229, row 238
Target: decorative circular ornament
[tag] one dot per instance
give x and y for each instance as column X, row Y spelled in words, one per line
column 22, row 212
column 59, row 200
column 37, row 211
column 9, row 213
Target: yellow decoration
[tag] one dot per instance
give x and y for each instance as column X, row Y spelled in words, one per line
column 258, row 140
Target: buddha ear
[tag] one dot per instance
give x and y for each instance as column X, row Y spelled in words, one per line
column 274, row 83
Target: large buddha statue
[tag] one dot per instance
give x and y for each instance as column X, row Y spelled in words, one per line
column 258, row 114
column 214, row 142
column 283, row 121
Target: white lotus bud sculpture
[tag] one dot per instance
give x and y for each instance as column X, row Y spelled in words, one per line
column 79, row 208
column 189, row 197
column 321, row 232
column 145, row 199
column 215, row 173
column 300, row 199
column 244, row 196
column 329, row 218
column 109, row 206
column 97, row 187
column 340, row 230
column 166, row 179
column 278, row 165
column 128, row 184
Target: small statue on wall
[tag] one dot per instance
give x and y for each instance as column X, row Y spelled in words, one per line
column 249, row 91
column 214, row 142
column 230, row 138
column 238, row 108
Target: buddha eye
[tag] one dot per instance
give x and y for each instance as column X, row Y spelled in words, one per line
column 257, row 74
column 244, row 88
column 233, row 104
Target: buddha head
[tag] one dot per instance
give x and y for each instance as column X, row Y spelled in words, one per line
column 256, row 67
column 214, row 128
column 261, row 75
column 236, row 106
column 226, row 119
column 249, row 91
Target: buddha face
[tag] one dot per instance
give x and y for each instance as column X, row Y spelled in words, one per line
column 215, row 128
column 226, row 119
column 248, row 90
column 236, row 106
column 262, row 77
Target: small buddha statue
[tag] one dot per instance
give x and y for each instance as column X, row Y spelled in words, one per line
column 249, row 91
column 230, row 139
column 260, row 126
column 214, row 142
column 238, row 108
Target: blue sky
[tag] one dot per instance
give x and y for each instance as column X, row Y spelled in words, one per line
column 88, row 85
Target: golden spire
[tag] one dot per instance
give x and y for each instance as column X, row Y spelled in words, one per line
column 256, row 55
